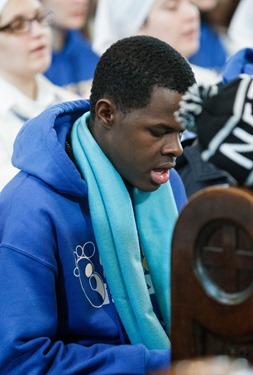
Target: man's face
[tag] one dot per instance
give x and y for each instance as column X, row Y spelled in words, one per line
column 143, row 145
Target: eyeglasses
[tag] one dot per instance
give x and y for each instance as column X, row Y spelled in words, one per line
column 23, row 25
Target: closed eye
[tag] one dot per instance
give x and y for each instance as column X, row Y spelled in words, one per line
column 158, row 134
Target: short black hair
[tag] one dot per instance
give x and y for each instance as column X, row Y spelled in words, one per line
column 131, row 68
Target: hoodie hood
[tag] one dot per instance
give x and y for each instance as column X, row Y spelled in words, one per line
column 240, row 63
column 39, row 148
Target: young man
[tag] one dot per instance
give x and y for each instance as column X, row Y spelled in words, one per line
column 86, row 225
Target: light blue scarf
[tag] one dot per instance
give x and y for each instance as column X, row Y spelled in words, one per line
column 118, row 229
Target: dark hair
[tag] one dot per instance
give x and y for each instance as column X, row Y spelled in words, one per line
column 131, row 68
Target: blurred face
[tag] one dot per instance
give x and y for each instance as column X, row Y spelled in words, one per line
column 28, row 53
column 142, row 145
column 176, row 22
column 69, row 14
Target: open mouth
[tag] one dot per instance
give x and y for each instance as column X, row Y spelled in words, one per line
column 160, row 176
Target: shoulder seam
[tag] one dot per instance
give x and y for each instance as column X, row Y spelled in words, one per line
column 44, row 263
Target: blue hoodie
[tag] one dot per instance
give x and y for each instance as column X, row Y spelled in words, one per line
column 55, row 319
column 239, row 63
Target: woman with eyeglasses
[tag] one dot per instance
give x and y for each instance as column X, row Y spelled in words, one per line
column 25, row 53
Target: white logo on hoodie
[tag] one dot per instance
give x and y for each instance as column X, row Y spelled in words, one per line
column 92, row 284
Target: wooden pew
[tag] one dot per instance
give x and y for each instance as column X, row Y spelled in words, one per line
column 212, row 276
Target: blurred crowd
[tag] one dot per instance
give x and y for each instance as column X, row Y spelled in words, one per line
column 56, row 60
column 104, row 102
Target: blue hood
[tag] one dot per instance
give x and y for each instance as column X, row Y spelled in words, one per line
column 39, row 148
column 241, row 62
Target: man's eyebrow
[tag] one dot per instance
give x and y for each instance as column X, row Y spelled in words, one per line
column 164, row 126
column 160, row 125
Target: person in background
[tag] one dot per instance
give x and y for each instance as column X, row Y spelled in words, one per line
column 223, row 122
column 88, row 25
column 240, row 63
column 73, row 60
column 176, row 22
column 214, row 109
column 212, row 52
column 221, row 15
column 240, row 30
column 86, row 226
column 25, row 53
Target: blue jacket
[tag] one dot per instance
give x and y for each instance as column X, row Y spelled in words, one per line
column 239, row 63
column 74, row 65
column 211, row 53
column 55, row 319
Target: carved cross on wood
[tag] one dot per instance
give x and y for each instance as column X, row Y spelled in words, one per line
column 227, row 258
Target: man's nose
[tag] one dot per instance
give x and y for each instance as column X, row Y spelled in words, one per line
column 173, row 146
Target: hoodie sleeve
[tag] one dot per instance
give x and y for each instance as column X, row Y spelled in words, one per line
column 28, row 310
column 28, row 328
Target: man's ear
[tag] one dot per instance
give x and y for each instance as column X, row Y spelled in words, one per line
column 105, row 112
